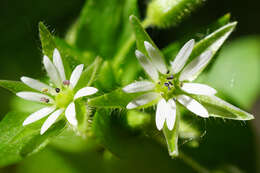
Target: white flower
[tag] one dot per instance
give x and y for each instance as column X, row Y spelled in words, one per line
column 59, row 96
column 169, row 86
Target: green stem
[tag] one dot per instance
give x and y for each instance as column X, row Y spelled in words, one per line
column 195, row 165
column 120, row 56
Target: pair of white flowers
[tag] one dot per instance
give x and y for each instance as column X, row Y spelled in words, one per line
column 172, row 85
column 59, row 96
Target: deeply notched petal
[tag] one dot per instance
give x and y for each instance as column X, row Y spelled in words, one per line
column 38, row 115
column 166, row 111
column 193, row 106
column 52, row 71
column 74, row 78
column 59, row 64
column 33, row 96
column 195, row 67
column 160, row 116
column 139, row 86
column 147, row 65
column 70, row 114
column 182, row 57
column 156, row 57
column 142, row 100
column 85, row 92
column 198, row 89
column 35, row 84
column 51, row 120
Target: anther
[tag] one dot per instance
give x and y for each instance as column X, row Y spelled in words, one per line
column 166, row 84
column 45, row 90
column 169, row 78
column 43, row 99
column 66, row 82
column 170, row 82
column 181, row 84
column 168, row 71
column 57, row 90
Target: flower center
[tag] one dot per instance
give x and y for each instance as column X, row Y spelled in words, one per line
column 64, row 97
column 168, row 86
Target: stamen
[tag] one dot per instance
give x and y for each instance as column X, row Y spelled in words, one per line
column 168, row 71
column 181, row 84
column 166, row 84
column 170, row 82
column 57, row 90
column 43, row 99
column 45, row 90
column 169, row 78
column 66, row 82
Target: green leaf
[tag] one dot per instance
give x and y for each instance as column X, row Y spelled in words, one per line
column 235, row 72
column 168, row 13
column 114, row 99
column 220, row 108
column 88, row 76
column 140, row 35
column 173, row 49
column 101, row 37
column 106, row 78
column 17, row 141
column 14, row 86
column 47, row 40
column 172, row 136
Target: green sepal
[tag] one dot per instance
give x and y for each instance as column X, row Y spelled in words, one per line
column 171, row 136
column 220, row 108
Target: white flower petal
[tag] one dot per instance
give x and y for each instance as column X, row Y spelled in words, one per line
column 142, row 100
column 147, row 65
column 58, row 64
column 156, row 57
column 170, row 114
column 182, row 56
column 199, row 89
column 51, row 120
column 32, row 96
column 139, row 86
column 38, row 115
column 74, row 78
column 85, row 92
column 160, row 115
column 70, row 114
column 193, row 69
column 52, row 71
column 35, row 84
column 193, row 105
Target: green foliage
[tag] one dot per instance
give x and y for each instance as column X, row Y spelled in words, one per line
column 14, row 86
column 170, row 12
column 102, row 38
column 114, row 99
column 220, row 108
column 235, row 73
column 17, row 141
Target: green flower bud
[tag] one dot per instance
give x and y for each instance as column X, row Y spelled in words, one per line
column 166, row 13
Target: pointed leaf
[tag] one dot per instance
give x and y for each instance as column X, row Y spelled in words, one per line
column 114, row 99
column 17, row 141
column 14, row 86
column 220, row 108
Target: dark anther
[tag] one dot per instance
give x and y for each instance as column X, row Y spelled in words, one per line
column 43, row 99
column 159, row 82
column 166, row 84
column 57, row 90
column 169, row 78
column 169, row 88
column 170, row 83
column 181, row 84
column 168, row 72
column 66, row 82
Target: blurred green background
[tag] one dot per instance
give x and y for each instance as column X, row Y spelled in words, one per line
column 20, row 55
